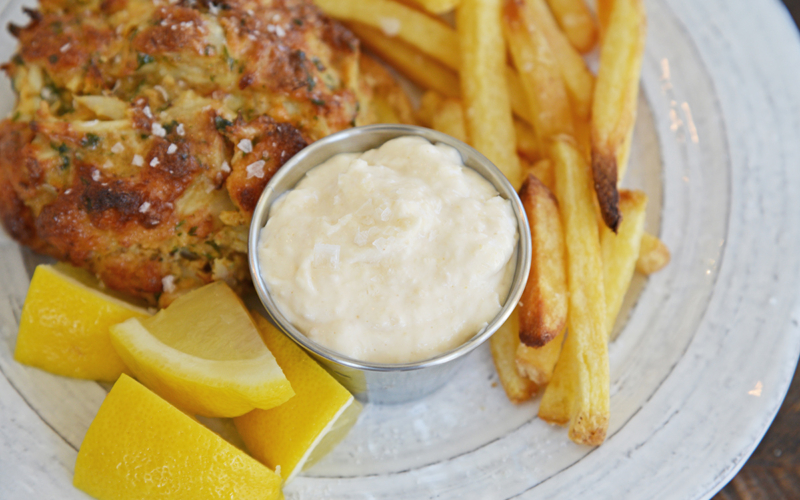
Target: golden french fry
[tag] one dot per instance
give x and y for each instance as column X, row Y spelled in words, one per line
column 423, row 70
column 428, row 106
column 579, row 81
column 653, row 255
column 561, row 394
column 537, row 363
column 583, row 138
column 437, row 6
column 615, row 95
column 620, row 252
column 447, row 115
column 543, row 305
column 580, row 383
column 623, row 156
column 449, row 119
column 432, row 36
column 543, row 170
column 428, row 35
column 519, row 103
column 527, row 142
column 390, row 103
column 603, row 13
column 503, row 345
column 576, row 21
column 541, row 77
column 490, row 124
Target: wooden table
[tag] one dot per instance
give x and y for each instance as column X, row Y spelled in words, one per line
column 773, row 471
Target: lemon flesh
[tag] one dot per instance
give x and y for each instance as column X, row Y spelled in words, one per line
column 299, row 432
column 204, row 355
column 64, row 325
column 139, row 446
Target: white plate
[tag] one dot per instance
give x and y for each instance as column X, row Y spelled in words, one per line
column 698, row 371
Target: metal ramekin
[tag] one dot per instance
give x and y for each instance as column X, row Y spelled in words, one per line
column 384, row 382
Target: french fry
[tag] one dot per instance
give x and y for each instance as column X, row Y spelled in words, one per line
column 519, row 103
column 615, row 95
column 541, row 77
column 527, row 142
column 503, row 345
column 437, row 6
column 490, row 124
column 603, row 13
column 447, row 115
column 653, row 255
column 423, row 70
column 620, row 252
column 432, row 36
column 543, row 170
column 537, row 363
column 450, row 119
column 543, row 305
column 623, row 156
column 390, row 103
column 583, row 138
column 576, row 21
column 579, row 81
column 428, row 106
column 418, row 30
column 579, row 389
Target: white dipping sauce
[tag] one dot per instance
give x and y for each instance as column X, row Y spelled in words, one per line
column 393, row 255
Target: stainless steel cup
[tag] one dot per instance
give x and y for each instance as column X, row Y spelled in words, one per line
column 384, row 382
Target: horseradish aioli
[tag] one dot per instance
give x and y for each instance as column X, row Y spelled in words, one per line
column 393, row 255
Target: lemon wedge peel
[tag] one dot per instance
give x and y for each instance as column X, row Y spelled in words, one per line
column 139, row 446
column 64, row 325
column 296, row 434
column 247, row 377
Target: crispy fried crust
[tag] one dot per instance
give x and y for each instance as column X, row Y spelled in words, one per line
column 604, row 172
column 122, row 155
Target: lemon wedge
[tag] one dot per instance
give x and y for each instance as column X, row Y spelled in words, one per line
column 204, row 355
column 64, row 324
column 296, row 434
column 139, row 446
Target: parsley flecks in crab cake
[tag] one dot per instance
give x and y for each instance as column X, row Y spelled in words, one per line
column 144, row 132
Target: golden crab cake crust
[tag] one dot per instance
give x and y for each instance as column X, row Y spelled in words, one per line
column 125, row 153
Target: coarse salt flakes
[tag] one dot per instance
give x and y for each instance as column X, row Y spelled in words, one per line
column 246, row 145
column 171, row 149
column 107, row 164
column 117, row 148
column 389, row 25
column 180, row 130
column 138, row 161
column 144, row 207
column 154, row 162
column 64, row 47
column 158, row 130
column 95, row 175
column 256, row 169
column 225, row 167
column 280, row 32
column 168, row 283
column 147, row 112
